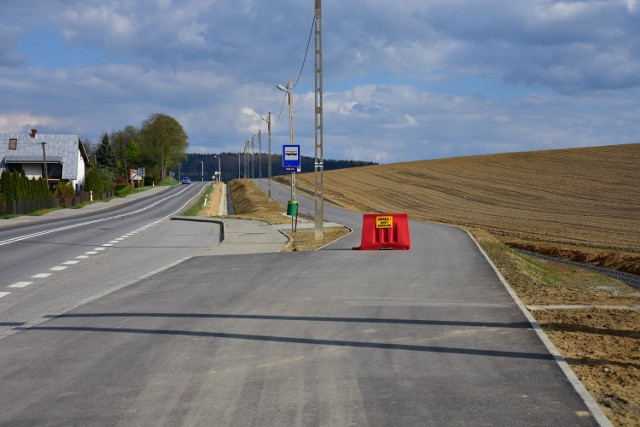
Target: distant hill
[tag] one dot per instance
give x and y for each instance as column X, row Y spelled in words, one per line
column 229, row 165
column 586, row 197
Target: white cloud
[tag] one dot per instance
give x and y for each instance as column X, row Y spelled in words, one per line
column 415, row 80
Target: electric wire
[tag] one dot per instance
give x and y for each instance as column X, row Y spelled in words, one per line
column 306, row 52
column 304, row 61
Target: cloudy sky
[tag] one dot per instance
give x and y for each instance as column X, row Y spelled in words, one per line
column 403, row 79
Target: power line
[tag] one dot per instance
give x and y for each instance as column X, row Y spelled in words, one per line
column 281, row 109
column 306, row 52
column 304, row 61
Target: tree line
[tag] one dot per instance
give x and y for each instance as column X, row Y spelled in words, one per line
column 159, row 145
column 197, row 166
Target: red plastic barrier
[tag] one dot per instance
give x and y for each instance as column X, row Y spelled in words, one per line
column 385, row 231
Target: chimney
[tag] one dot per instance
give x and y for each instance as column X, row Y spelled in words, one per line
column 34, row 132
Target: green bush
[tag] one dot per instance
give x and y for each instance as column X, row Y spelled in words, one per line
column 169, row 181
column 123, row 190
column 16, row 186
column 93, row 181
column 98, row 180
column 65, row 189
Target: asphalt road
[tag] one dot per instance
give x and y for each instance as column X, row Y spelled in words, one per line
column 428, row 336
column 53, row 263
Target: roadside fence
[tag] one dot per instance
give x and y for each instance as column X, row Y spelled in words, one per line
column 25, row 207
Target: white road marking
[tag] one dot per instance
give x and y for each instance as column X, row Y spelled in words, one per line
column 113, row 242
column 4, row 294
column 58, row 268
column 119, row 239
column 20, row 284
column 68, row 227
column 73, row 262
column 41, row 275
column 91, row 253
column 82, row 257
column 99, row 249
column 107, row 245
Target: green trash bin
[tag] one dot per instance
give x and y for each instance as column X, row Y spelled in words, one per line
column 292, row 208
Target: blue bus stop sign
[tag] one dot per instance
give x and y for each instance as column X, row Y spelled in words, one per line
column 291, row 157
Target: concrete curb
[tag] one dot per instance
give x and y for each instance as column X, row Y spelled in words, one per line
column 584, row 394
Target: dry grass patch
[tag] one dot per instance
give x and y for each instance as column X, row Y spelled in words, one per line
column 304, row 239
column 250, row 202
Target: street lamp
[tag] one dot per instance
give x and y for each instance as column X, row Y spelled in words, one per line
column 201, row 170
column 289, row 91
column 246, row 159
column 253, row 159
column 219, row 169
column 268, row 120
column 259, row 135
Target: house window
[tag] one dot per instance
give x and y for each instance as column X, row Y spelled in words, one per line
column 13, row 144
column 54, row 170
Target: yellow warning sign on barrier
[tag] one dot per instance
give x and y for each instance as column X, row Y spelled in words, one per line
column 384, row 222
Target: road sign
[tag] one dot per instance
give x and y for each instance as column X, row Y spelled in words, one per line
column 141, row 172
column 291, row 156
column 384, row 221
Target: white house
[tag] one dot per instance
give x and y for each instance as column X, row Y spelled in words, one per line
column 66, row 157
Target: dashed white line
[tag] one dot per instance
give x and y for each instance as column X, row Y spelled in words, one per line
column 82, row 257
column 20, row 284
column 72, row 262
column 58, row 268
column 41, row 275
column 4, row 294
column 107, row 245
column 119, row 239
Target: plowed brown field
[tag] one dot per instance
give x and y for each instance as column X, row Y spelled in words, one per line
column 585, row 201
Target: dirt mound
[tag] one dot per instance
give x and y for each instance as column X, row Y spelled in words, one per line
column 248, row 199
column 622, row 261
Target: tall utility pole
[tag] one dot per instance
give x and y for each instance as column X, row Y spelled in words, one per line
column 260, row 154
column 268, row 120
column 45, row 173
column 253, row 158
column 246, row 159
column 319, row 154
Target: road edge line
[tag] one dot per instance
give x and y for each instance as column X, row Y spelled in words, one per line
column 584, row 394
column 95, row 297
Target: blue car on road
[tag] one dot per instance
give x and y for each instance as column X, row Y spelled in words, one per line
column 186, row 180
